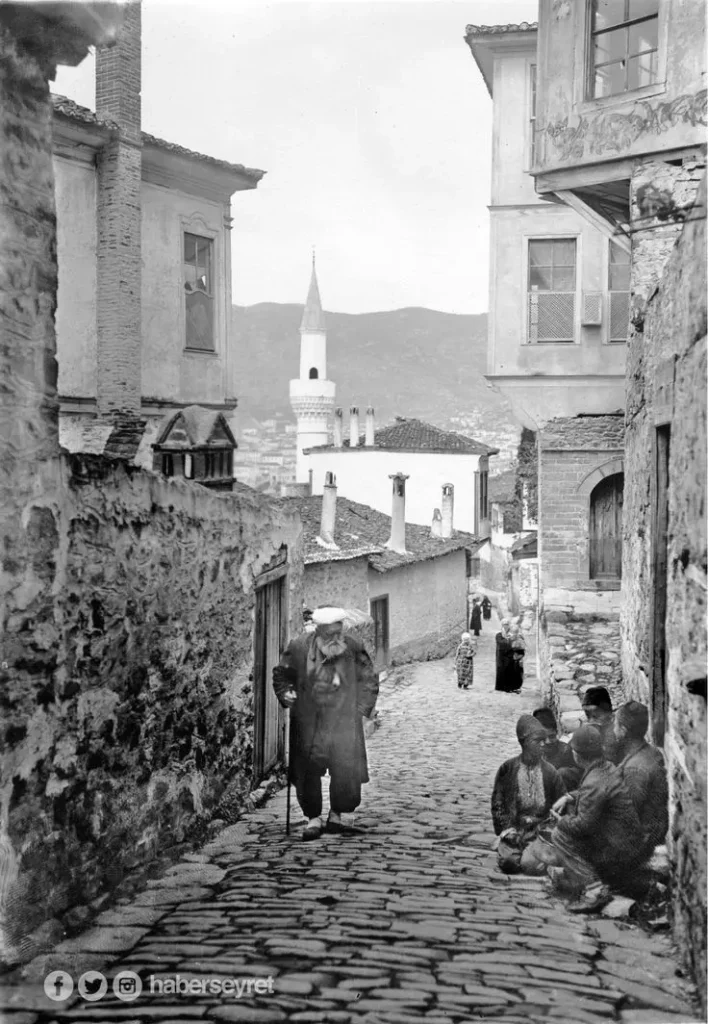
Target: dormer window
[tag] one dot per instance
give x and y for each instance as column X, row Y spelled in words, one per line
column 198, row 261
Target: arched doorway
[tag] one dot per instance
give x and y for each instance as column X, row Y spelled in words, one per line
column 606, row 528
column 314, row 373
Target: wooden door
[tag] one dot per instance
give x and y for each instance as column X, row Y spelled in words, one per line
column 660, row 544
column 268, row 740
column 379, row 613
column 606, row 529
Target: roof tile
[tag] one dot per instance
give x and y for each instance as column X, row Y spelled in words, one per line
column 413, row 435
column 362, row 531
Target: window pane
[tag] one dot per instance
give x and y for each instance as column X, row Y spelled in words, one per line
column 540, row 254
column 608, row 12
column 609, row 80
column 564, row 254
column 642, row 8
column 642, row 70
column 563, row 279
column 611, row 46
column 644, row 36
column 541, row 278
column 618, row 254
column 190, row 247
column 199, row 321
column 619, row 278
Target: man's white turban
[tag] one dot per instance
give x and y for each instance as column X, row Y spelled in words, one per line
column 328, row 616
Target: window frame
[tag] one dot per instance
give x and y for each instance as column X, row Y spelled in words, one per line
column 585, row 99
column 532, row 100
column 554, row 236
column 611, row 291
column 196, row 225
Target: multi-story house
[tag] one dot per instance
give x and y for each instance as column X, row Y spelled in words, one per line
column 558, row 315
column 144, row 248
column 620, row 137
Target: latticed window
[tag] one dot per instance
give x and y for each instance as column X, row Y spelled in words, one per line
column 532, row 114
column 624, row 44
column 551, row 290
column 618, row 286
column 199, row 292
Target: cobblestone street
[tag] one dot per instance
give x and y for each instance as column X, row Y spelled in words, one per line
column 408, row 922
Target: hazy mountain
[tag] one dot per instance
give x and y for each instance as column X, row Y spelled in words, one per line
column 406, row 362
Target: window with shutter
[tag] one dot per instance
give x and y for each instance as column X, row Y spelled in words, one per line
column 618, row 286
column 551, row 290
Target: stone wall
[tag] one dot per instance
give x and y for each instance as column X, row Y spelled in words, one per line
column 126, row 673
column 341, row 583
column 666, row 388
column 576, row 652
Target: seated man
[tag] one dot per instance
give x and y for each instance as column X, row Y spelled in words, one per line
column 643, row 772
column 598, row 711
column 525, row 788
column 556, row 753
column 599, row 840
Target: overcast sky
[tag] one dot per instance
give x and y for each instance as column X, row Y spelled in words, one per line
column 371, row 120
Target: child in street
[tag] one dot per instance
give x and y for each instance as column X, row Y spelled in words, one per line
column 464, row 661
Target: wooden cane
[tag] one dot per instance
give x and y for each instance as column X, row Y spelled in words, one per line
column 287, row 797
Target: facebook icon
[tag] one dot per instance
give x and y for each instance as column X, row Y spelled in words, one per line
column 58, row 985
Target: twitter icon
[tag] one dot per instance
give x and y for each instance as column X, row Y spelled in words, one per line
column 92, row 986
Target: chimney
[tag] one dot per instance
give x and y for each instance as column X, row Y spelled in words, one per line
column 448, row 504
column 338, row 428
column 397, row 540
column 436, row 528
column 118, row 215
column 354, row 426
column 329, row 509
column 369, row 440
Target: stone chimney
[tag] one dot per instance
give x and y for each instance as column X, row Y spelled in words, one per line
column 397, row 540
column 448, row 504
column 338, row 429
column 370, row 428
column 436, row 528
column 354, row 426
column 119, row 261
column 329, row 509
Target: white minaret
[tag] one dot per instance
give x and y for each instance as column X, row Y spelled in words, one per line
column 311, row 394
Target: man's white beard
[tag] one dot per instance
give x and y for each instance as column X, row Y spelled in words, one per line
column 331, row 649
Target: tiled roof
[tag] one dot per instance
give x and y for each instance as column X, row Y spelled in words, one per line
column 589, row 432
column 500, row 30
column 74, row 112
column 199, row 424
column 412, row 435
column 362, row 531
column 525, row 547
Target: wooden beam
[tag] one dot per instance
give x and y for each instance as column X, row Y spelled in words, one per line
column 585, row 176
column 596, row 219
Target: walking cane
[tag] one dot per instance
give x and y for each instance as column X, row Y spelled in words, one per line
column 287, row 797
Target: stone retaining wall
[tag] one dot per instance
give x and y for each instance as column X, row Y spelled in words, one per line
column 577, row 652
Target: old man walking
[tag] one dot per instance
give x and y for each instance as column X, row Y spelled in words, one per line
column 328, row 681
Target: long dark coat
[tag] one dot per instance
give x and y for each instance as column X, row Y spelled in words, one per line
column 486, row 608
column 327, row 730
column 476, row 618
column 509, row 675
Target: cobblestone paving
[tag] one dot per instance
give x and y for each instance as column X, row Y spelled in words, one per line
column 408, row 922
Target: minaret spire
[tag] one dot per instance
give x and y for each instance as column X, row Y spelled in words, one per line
column 312, row 315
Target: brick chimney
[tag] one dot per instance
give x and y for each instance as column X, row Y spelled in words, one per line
column 338, row 428
column 448, row 504
column 397, row 540
column 354, row 426
column 119, row 326
column 370, row 428
column 329, row 509
column 436, row 528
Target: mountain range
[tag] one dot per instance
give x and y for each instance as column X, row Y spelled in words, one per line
column 405, row 362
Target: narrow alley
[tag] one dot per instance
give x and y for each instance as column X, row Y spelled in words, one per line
column 409, row 921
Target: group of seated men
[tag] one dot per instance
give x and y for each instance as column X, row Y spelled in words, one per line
column 590, row 812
